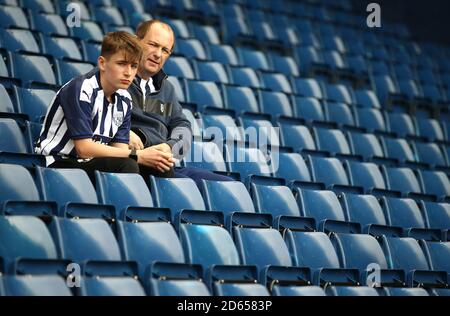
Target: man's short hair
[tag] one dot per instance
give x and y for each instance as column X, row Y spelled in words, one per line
column 121, row 41
column 144, row 27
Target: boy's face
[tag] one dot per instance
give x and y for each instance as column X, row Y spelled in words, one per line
column 117, row 71
column 157, row 47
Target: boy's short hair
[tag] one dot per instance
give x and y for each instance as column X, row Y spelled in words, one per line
column 121, row 41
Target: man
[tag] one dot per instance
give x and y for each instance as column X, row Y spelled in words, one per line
column 157, row 118
column 88, row 124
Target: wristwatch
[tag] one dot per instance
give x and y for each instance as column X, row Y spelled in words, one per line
column 133, row 155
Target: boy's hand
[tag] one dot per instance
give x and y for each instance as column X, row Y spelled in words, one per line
column 135, row 142
column 155, row 158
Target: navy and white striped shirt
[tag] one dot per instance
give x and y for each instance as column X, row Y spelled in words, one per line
column 79, row 111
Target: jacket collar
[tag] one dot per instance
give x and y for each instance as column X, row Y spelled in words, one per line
column 157, row 79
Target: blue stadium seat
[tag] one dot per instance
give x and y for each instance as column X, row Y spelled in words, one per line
column 34, row 102
column 325, row 208
column 68, row 70
column 308, row 87
column 297, row 136
column 72, row 235
column 111, row 286
column 284, row 64
column 275, row 103
column 332, row 141
column 400, row 124
column 366, row 145
column 176, row 194
column 406, row 254
column 36, row 285
column 196, row 122
column 240, row 289
column 227, row 197
column 438, row 254
column 211, row 71
column 111, row 189
column 75, row 193
column 276, row 200
column 370, row 119
column 247, row 161
column 366, row 210
column 33, row 70
column 259, row 130
column 253, row 59
column 366, row 175
column 13, row 16
column 340, row 114
column 204, row 94
column 430, row 129
column 91, row 51
column 179, row 67
column 179, row 28
column 429, row 153
column 367, row 99
column 19, row 193
column 435, row 183
column 401, row 179
column 244, row 76
column 276, row 82
column 48, row 24
column 292, row 167
column 221, row 127
column 393, row 291
column 160, row 237
column 240, row 99
column 14, row 138
column 108, row 15
column 398, row 148
column 208, row 245
column 16, row 40
column 338, row 93
column 88, row 31
column 437, row 214
column 224, row 54
column 61, row 47
column 351, row 291
column 130, row 6
column 179, row 88
column 308, row 109
column 206, row 156
column 263, row 247
column 315, row 251
column 6, row 106
column 206, row 33
column 405, row 213
column 191, row 48
column 283, row 290
column 24, row 237
column 175, row 287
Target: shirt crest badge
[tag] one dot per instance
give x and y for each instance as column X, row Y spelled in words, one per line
column 118, row 118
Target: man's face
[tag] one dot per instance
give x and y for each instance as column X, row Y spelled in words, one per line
column 117, row 71
column 157, row 47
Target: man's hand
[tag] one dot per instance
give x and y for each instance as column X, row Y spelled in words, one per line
column 163, row 147
column 135, row 142
column 155, row 158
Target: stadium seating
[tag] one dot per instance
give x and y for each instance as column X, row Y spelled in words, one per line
column 350, row 166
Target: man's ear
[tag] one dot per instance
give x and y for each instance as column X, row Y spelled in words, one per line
column 101, row 63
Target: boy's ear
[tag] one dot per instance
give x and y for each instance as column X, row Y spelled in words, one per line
column 101, row 63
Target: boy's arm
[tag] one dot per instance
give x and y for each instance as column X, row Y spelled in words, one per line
column 119, row 145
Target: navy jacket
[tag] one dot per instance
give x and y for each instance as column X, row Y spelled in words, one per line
column 160, row 119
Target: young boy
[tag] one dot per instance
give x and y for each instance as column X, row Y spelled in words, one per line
column 88, row 124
